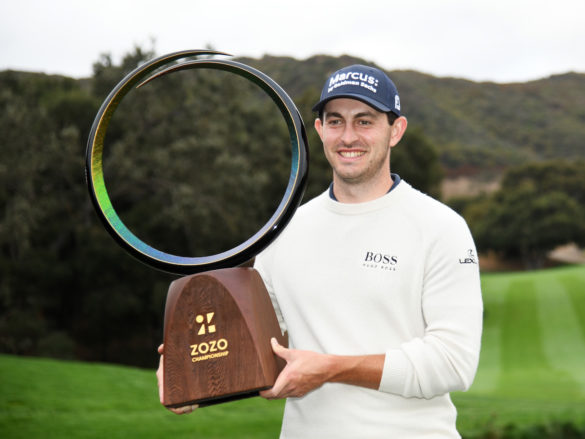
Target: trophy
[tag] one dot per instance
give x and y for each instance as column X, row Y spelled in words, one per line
column 218, row 318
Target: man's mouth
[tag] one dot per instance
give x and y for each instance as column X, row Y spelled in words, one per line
column 351, row 154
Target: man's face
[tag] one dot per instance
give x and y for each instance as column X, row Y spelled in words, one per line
column 357, row 141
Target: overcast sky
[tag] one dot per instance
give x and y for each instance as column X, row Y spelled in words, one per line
column 494, row 40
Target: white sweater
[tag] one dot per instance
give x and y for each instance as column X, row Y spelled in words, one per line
column 397, row 275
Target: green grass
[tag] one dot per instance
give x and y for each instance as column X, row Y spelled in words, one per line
column 42, row 398
column 532, row 372
column 532, row 365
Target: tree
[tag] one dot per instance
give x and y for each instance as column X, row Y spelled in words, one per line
column 532, row 213
column 417, row 161
column 319, row 170
column 189, row 168
column 562, row 175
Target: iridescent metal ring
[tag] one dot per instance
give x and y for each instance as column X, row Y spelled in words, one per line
column 242, row 252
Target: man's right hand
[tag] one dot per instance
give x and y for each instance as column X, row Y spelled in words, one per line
column 159, row 377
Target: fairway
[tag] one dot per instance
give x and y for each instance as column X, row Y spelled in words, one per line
column 534, row 328
column 532, row 372
column 532, row 364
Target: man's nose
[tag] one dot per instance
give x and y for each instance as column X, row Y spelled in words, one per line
column 349, row 135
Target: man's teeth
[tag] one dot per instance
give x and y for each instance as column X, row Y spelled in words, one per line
column 351, row 154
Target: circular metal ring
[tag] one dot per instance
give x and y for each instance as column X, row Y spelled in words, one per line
column 244, row 251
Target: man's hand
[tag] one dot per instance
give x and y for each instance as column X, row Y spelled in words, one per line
column 159, row 377
column 304, row 371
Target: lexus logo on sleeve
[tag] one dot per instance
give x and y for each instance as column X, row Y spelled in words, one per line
column 470, row 258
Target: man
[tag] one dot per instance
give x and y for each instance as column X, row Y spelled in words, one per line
column 376, row 284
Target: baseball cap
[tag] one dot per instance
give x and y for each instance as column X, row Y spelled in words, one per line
column 367, row 84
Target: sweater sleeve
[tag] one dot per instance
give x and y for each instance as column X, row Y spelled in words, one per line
column 445, row 358
column 261, row 264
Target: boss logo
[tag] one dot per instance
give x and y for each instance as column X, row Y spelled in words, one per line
column 380, row 261
column 379, row 258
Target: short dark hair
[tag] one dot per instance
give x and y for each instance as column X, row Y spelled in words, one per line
column 391, row 117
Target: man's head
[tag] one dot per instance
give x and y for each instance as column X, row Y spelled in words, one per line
column 359, row 122
column 367, row 84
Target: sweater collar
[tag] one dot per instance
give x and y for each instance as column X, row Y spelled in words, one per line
column 390, row 198
column 395, row 179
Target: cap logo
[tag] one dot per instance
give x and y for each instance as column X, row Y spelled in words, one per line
column 368, row 84
column 353, row 78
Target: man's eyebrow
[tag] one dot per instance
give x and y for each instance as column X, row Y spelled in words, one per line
column 364, row 114
column 332, row 114
column 355, row 116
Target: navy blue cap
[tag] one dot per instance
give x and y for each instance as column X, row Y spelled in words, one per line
column 367, row 84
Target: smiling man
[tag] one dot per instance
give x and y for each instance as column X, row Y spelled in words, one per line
column 357, row 140
column 383, row 319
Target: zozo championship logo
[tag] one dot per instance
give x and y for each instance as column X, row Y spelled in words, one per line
column 206, row 350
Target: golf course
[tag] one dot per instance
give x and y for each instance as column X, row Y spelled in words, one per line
column 530, row 381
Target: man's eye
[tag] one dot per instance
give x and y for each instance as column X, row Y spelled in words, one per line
column 364, row 122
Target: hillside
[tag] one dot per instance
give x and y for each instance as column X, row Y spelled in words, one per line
column 473, row 124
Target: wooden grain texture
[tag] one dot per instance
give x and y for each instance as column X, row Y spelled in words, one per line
column 218, row 326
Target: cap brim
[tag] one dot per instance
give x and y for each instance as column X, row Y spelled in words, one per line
column 371, row 102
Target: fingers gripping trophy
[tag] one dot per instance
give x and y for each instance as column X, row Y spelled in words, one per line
column 218, row 318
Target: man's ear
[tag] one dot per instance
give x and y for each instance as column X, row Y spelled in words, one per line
column 319, row 128
column 398, row 129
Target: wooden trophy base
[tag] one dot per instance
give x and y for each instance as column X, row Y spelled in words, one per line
column 217, row 332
